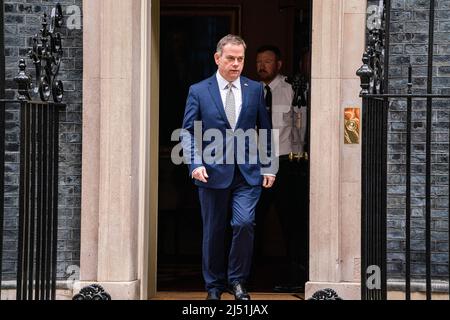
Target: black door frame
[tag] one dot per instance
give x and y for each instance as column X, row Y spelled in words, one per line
column 171, row 7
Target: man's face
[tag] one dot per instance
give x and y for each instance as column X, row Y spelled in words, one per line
column 231, row 62
column 267, row 66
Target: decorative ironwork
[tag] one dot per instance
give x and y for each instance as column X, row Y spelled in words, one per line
column 372, row 71
column 46, row 56
column 37, row 236
column 37, row 239
column 93, row 292
column 376, row 109
column 326, row 294
column 23, row 82
column 299, row 87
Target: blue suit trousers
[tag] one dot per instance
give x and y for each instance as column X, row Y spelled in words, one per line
column 215, row 203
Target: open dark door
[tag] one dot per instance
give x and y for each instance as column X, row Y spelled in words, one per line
column 189, row 36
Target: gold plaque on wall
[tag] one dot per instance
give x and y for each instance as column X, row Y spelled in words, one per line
column 352, row 125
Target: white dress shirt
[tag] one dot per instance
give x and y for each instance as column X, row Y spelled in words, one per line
column 237, row 91
column 290, row 121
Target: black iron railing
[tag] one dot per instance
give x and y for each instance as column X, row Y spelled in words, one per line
column 39, row 161
column 374, row 217
column 376, row 107
column 375, row 111
column 2, row 138
column 38, row 197
column 374, row 81
column 2, row 188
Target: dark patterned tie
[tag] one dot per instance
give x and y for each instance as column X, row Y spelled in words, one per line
column 269, row 100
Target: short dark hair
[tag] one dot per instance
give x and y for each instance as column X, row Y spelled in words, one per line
column 271, row 48
column 230, row 39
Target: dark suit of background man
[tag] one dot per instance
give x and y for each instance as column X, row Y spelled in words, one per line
column 290, row 193
column 227, row 102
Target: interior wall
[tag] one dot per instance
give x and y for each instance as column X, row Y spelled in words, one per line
column 258, row 21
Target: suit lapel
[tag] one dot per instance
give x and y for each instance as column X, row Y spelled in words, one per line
column 245, row 97
column 215, row 94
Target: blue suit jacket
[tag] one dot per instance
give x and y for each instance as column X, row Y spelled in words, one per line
column 204, row 104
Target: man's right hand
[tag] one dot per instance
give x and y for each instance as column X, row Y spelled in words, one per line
column 200, row 174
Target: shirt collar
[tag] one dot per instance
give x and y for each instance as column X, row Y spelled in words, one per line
column 224, row 83
column 275, row 82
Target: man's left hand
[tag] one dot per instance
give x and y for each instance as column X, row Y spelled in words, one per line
column 269, row 181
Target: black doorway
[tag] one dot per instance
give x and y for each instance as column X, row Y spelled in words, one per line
column 189, row 34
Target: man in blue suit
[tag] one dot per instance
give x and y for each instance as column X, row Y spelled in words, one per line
column 230, row 106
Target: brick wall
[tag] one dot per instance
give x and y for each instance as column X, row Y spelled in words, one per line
column 22, row 21
column 409, row 44
column 409, row 38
